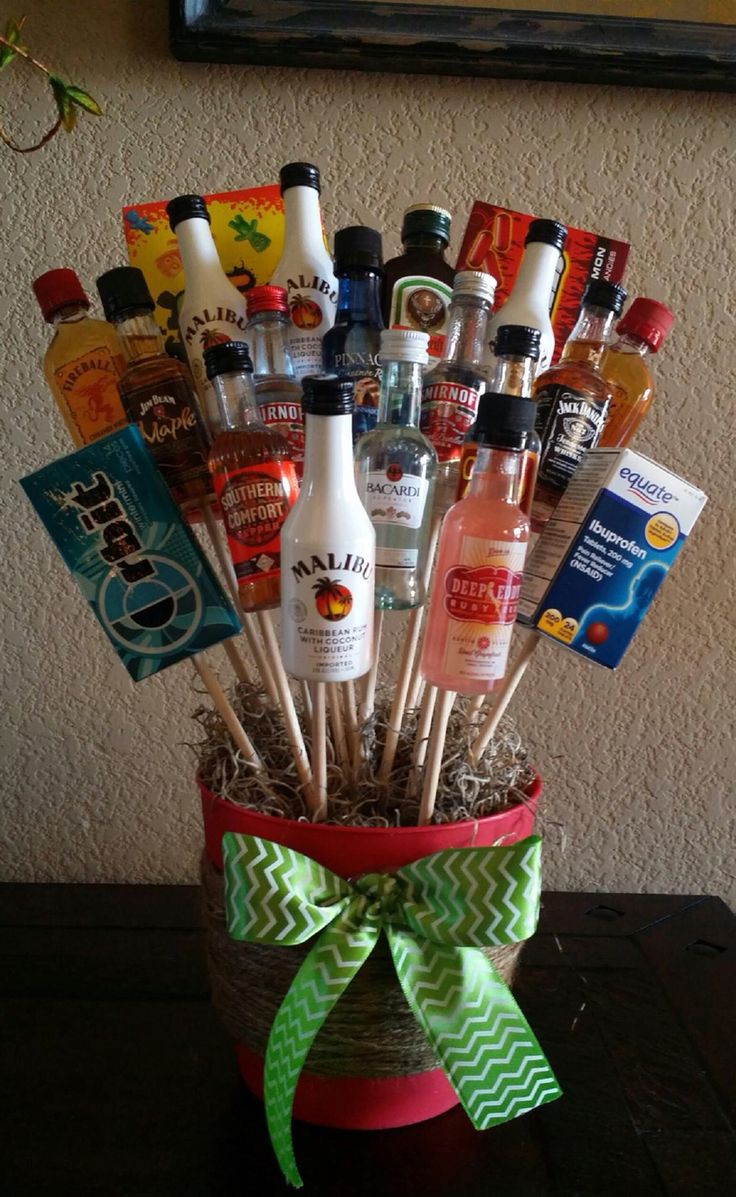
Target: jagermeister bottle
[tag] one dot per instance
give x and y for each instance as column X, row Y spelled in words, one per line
column 417, row 285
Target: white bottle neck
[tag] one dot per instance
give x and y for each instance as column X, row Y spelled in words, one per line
column 303, row 220
column 328, row 459
column 199, row 255
column 536, row 275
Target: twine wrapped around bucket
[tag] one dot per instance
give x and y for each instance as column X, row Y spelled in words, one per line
column 371, row 1032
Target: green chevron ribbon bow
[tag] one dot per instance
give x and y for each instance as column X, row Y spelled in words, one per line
column 437, row 913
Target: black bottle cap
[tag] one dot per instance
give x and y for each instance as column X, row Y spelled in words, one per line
column 602, row 294
column 518, row 340
column 504, row 420
column 327, row 395
column 551, row 232
column 124, row 290
column 229, row 357
column 299, row 174
column 358, row 246
column 184, row 207
column 426, row 218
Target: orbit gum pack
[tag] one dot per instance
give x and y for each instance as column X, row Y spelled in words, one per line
column 609, row 545
column 120, row 533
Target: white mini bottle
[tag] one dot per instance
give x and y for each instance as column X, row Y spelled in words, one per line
column 529, row 301
column 213, row 309
column 328, row 548
column 305, row 267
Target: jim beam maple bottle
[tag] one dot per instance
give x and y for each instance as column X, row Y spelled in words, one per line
column 213, row 310
column 480, row 558
column 253, row 476
column 573, row 398
column 451, row 390
column 157, row 391
column 84, row 360
column 328, row 548
column 305, row 267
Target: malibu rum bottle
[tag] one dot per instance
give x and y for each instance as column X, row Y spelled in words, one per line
column 395, row 467
column 305, row 267
column 328, row 548
column 156, row 390
column 212, row 309
column 253, row 476
column 84, row 360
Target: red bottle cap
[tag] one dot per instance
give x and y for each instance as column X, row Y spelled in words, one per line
column 58, row 289
column 649, row 320
column 266, row 299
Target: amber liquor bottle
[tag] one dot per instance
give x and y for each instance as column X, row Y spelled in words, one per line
column 253, row 476
column 157, row 391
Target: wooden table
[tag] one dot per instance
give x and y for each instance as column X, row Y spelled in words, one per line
column 116, row 1079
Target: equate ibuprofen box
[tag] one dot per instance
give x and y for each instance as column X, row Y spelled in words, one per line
column 601, row 559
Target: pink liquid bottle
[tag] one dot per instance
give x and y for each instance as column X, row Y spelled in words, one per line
column 481, row 556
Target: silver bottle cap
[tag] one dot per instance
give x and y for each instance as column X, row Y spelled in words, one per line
column 475, row 282
column 404, row 345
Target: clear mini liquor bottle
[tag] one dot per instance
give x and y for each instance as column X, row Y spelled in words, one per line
column 395, row 466
column 278, row 393
column 328, row 548
column 253, row 476
column 451, row 390
column 480, row 559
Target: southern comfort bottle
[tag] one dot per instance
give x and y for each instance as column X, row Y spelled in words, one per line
column 327, row 548
column 305, row 267
column 156, row 390
column 212, row 309
column 84, row 360
column 253, row 476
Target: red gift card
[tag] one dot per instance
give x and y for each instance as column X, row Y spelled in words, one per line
column 494, row 242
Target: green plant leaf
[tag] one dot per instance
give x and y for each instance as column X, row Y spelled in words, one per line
column 83, row 99
column 64, row 103
column 12, row 34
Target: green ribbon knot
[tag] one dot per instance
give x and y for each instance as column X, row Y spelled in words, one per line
column 436, row 913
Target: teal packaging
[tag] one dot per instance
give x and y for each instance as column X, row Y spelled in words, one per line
column 112, row 518
column 596, row 568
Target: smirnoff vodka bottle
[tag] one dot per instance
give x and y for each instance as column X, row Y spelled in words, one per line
column 327, row 548
column 305, row 268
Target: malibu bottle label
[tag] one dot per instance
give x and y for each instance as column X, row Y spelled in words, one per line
column 328, row 604
column 312, row 303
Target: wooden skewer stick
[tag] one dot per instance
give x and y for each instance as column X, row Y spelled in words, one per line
column 422, row 739
column 368, row 700
column 342, row 754
column 288, row 710
column 306, row 699
column 319, row 748
column 351, row 720
column 233, row 724
column 436, row 748
column 220, row 548
column 415, row 691
column 505, row 694
column 474, row 707
column 398, row 705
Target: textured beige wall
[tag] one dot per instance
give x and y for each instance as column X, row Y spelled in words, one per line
column 639, row 765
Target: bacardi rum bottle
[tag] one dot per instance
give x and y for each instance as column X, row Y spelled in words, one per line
column 395, row 467
column 451, row 390
column 253, row 476
column 305, row 267
column 328, row 548
column 213, row 309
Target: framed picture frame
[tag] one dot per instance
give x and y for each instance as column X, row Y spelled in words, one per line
column 652, row 43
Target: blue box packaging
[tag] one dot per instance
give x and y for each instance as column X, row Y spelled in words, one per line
column 597, row 566
column 115, row 524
